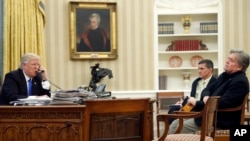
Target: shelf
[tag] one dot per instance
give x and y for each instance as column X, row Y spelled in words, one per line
column 180, row 12
column 180, row 68
column 171, row 35
column 187, row 35
column 188, row 52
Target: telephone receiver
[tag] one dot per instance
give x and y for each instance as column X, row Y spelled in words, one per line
column 39, row 75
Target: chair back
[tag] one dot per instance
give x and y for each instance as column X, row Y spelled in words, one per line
column 0, row 84
column 209, row 116
column 116, row 119
column 241, row 108
column 244, row 108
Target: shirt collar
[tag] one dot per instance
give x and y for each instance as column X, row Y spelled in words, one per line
column 26, row 76
column 207, row 80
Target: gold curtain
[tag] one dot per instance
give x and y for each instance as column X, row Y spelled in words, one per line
column 24, row 22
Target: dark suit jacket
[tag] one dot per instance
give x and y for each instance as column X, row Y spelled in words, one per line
column 192, row 94
column 195, row 83
column 15, row 87
column 232, row 89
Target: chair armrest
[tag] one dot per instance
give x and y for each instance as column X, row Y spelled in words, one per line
column 230, row 109
column 183, row 112
column 165, row 118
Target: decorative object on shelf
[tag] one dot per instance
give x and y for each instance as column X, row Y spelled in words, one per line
column 166, row 28
column 171, row 47
column 186, row 22
column 185, row 45
column 203, row 46
column 195, row 60
column 175, row 61
column 209, row 27
column 186, row 79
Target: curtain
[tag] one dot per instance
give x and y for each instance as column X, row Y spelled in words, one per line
column 1, row 39
column 24, row 22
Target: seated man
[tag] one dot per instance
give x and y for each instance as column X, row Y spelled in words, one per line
column 205, row 71
column 29, row 79
column 232, row 85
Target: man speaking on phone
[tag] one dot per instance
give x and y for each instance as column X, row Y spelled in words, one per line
column 30, row 79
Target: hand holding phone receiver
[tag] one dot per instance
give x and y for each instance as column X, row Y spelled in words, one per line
column 41, row 74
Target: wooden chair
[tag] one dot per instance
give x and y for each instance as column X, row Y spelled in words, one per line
column 163, row 100
column 0, row 84
column 247, row 113
column 116, row 119
column 224, row 135
column 208, row 115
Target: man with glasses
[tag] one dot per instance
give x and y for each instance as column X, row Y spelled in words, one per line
column 29, row 79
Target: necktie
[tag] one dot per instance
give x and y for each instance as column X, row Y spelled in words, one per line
column 199, row 89
column 203, row 84
column 29, row 87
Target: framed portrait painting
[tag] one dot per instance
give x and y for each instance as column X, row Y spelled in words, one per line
column 93, row 30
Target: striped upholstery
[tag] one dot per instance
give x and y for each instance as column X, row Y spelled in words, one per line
column 186, row 137
column 218, row 132
column 222, row 133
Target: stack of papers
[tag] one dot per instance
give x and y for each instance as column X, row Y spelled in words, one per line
column 35, row 100
column 70, row 97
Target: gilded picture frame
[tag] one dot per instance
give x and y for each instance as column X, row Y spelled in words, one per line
column 93, row 30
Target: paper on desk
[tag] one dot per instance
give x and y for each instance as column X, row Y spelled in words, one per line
column 36, row 98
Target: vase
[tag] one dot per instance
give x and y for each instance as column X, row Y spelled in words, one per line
column 186, row 22
column 186, row 80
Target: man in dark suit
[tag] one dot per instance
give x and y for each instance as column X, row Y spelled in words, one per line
column 16, row 83
column 205, row 71
column 232, row 85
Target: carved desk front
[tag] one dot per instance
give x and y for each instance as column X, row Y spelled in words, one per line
column 48, row 123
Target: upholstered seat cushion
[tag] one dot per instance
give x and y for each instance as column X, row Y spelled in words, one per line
column 222, row 132
column 186, row 137
column 218, row 132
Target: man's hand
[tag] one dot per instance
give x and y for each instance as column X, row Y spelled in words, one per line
column 205, row 98
column 192, row 101
column 43, row 73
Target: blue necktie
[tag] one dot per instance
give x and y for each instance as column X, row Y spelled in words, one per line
column 29, row 87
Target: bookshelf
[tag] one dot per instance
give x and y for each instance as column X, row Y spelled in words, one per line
column 177, row 50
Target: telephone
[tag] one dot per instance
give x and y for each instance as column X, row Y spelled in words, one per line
column 100, row 88
column 39, row 75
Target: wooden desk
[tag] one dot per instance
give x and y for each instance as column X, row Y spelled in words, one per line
column 43, row 123
column 47, row 123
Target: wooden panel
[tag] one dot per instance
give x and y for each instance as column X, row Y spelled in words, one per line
column 119, row 119
column 62, row 123
column 46, row 123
